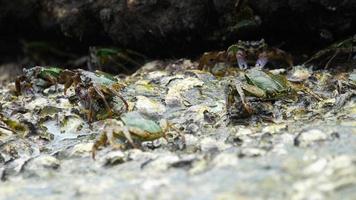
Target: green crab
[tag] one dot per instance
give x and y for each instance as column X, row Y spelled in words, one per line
column 259, row 84
column 132, row 126
column 38, row 77
column 94, row 89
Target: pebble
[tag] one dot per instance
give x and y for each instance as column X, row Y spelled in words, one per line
column 225, row 159
column 311, row 136
column 41, row 166
column 252, row 152
column 150, row 107
column 82, row 149
column 113, row 158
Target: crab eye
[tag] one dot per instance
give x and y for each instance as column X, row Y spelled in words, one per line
column 262, row 60
column 240, row 57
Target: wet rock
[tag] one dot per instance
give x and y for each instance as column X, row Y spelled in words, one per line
column 42, row 165
column 275, row 128
column 150, row 107
column 82, row 149
column 185, row 162
column 161, row 163
column 325, row 176
column 113, row 158
column 191, row 143
column 225, row 159
column 312, row 136
column 252, row 152
column 192, row 128
column 178, row 88
column 210, row 145
column 299, row 74
column 243, row 131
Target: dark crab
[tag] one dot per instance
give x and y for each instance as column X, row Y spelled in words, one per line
column 93, row 90
column 244, row 53
column 257, row 53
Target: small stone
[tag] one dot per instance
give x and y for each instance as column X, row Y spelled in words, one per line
column 275, row 128
column 192, row 128
column 309, row 137
column 299, row 74
column 243, row 131
column 208, row 144
column 191, row 143
column 175, row 91
column 45, row 161
column 113, row 158
column 162, row 163
column 252, row 152
column 41, row 166
column 212, row 145
column 225, row 159
column 149, row 107
column 316, row 167
column 83, row 149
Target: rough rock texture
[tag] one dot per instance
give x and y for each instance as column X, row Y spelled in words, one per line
column 305, row 151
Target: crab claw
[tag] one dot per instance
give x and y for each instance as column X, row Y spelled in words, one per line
column 240, row 57
column 262, row 60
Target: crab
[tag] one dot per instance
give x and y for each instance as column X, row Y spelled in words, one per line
column 41, row 77
column 345, row 48
column 245, row 53
column 259, row 84
column 92, row 89
column 259, row 53
column 132, row 126
column 262, row 86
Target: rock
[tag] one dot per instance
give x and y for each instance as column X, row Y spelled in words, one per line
column 299, row 73
column 306, row 138
column 191, row 143
column 211, row 145
column 82, row 149
column 150, row 107
column 174, row 95
column 275, row 128
column 41, row 166
column 225, row 159
column 161, row 163
column 113, row 158
column 252, row 152
column 243, row 131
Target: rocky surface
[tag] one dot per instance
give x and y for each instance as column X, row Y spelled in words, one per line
column 307, row 150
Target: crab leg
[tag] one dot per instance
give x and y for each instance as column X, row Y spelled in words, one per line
column 90, row 96
column 242, row 96
column 170, row 126
column 67, row 84
column 332, row 58
column 127, row 135
column 110, row 134
column 102, row 96
column 103, row 138
column 122, row 99
column 18, row 84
